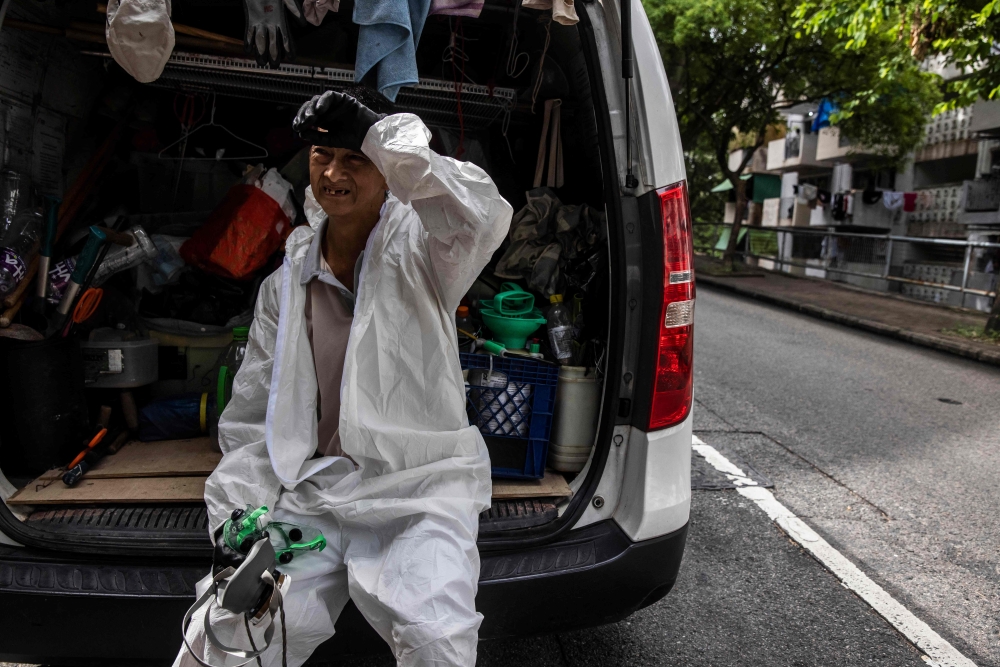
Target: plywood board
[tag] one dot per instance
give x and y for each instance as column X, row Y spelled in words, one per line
column 553, row 485
column 167, row 458
column 119, row 490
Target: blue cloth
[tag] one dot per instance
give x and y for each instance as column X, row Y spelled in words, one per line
column 390, row 31
column 823, row 113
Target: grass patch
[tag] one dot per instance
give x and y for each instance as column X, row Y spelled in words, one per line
column 974, row 333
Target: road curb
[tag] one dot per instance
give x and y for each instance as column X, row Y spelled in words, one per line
column 924, row 340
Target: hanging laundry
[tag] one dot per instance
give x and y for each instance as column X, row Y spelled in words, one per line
column 468, row 8
column 823, row 112
column 808, row 194
column 839, row 210
column 909, row 202
column 823, row 196
column 315, row 10
column 140, row 36
column 563, row 11
column 870, row 197
column 387, row 41
column 849, row 203
column 892, row 200
column 550, row 142
column 925, row 200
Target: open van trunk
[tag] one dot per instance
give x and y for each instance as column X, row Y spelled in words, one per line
column 89, row 133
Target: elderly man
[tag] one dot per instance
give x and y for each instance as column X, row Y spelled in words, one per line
column 348, row 413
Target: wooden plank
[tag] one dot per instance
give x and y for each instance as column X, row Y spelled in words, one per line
column 118, row 490
column 193, row 457
column 166, row 458
column 553, row 485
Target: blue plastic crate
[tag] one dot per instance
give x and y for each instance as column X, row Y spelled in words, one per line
column 516, row 421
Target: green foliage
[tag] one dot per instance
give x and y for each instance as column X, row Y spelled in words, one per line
column 974, row 333
column 733, row 64
column 702, row 175
column 958, row 33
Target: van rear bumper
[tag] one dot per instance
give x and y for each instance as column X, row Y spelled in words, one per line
column 91, row 612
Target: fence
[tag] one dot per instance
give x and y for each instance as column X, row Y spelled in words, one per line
column 951, row 271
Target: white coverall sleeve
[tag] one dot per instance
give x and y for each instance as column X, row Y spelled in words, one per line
column 460, row 207
column 244, row 476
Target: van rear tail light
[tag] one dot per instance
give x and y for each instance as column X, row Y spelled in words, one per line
column 671, row 401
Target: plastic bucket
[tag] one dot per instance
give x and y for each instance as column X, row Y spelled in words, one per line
column 42, row 404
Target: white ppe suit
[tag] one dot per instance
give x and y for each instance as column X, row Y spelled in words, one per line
column 402, row 528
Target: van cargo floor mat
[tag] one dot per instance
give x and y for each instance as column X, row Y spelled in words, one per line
column 189, row 521
column 175, row 521
column 514, row 514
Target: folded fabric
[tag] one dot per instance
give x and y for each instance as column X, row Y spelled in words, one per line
column 468, row 8
column 315, row 10
column 140, row 36
column 892, row 200
column 547, row 239
column 387, row 40
column 563, row 11
column 909, row 202
column 870, row 197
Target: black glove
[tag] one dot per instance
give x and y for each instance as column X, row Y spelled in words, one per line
column 223, row 556
column 335, row 119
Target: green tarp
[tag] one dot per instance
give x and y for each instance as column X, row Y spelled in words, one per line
column 766, row 186
column 723, row 242
column 725, row 185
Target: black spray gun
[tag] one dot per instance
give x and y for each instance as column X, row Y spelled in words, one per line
column 255, row 588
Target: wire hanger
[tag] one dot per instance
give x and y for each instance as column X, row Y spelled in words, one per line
column 185, row 137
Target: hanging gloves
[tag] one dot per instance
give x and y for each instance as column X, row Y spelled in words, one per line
column 335, row 119
column 267, row 36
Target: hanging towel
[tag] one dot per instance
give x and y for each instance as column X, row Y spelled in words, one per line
column 551, row 140
column 387, row 39
column 892, row 200
column 849, row 203
column 467, row 8
column 315, row 10
column 925, row 199
column 563, row 11
column 909, row 202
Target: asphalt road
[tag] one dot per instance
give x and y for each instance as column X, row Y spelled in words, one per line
column 850, row 429
column 890, row 451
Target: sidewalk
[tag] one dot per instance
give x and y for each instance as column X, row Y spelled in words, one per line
column 888, row 315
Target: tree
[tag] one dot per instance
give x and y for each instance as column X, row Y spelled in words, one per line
column 733, row 65
column 960, row 33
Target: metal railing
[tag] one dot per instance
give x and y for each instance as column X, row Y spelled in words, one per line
column 966, row 267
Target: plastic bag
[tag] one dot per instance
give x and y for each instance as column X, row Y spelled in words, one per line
column 177, row 417
column 247, row 227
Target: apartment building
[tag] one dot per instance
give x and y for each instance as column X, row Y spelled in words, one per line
column 949, row 190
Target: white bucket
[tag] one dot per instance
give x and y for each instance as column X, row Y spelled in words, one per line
column 574, row 425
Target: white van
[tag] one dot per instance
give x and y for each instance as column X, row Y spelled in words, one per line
column 109, row 580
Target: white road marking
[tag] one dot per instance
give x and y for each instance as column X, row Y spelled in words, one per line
column 938, row 650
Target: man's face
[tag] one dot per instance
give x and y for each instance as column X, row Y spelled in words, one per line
column 345, row 182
